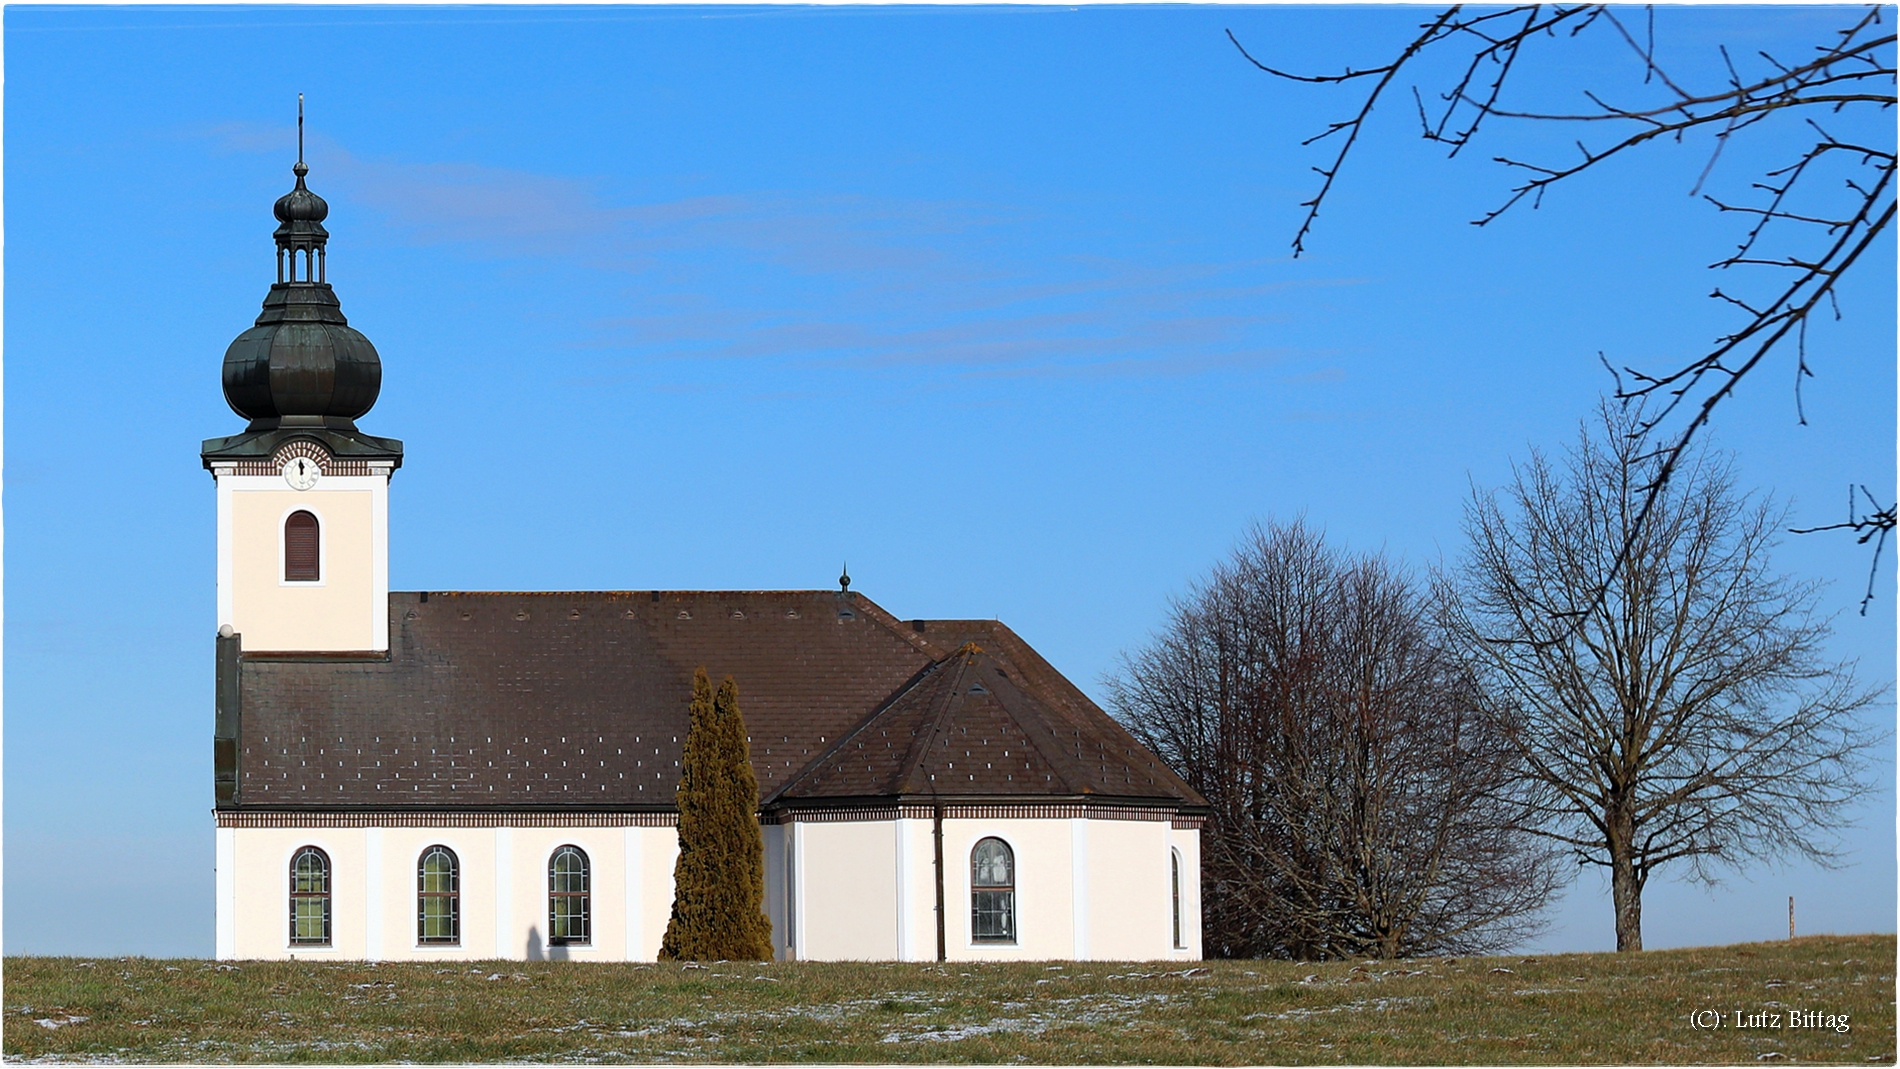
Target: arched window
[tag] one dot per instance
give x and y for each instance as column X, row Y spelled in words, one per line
column 568, row 912
column 300, row 548
column 992, row 893
column 1174, row 874
column 310, row 898
column 438, row 897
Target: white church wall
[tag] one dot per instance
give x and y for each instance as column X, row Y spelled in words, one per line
column 532, row 850
column 503, row 881
column 660, row 851
column 849, row 910
column 1187, row 843
column 261, row 911
column 401, row 851
column 1085, row 889
column 1131, row 907
column 915, row 879
column 1045, row 893
column 347, row 608
column 777, row 891
column 841, row 890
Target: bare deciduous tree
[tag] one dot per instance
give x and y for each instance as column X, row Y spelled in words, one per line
column 1360, row 806
column 1666, row 690
column 1811, row 218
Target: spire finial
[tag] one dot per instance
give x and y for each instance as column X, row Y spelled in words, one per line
column 302, row 168
column 844, row 578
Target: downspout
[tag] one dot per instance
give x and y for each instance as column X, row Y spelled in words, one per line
column 937, row 837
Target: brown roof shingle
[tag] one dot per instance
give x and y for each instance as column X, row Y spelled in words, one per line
column 580, row 700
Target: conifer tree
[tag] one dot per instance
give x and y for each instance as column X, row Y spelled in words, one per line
column 719, row 879
column 749, row 929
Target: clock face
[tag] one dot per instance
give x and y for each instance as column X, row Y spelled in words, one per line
column 301, row 472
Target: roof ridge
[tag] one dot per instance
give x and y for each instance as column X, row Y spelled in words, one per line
column 611, row 593
column 914, row 760
column 1024, row 710
column 891, row 623
column 1109, row 731
column 853, row 732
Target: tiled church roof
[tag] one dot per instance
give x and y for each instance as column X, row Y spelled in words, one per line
column 579, row 700
column 976, row 725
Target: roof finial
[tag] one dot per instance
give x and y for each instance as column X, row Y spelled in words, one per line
column 302, row 168
column 844, row 578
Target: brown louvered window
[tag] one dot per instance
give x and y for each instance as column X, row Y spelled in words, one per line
column 300, row 548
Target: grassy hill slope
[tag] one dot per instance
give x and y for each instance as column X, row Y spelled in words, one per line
column 1670, row 1006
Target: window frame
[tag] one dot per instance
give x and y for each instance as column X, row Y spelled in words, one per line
column 558, row 896
column 452, row 896
column 283, row 548
column 1005, row 892
column 324, row 895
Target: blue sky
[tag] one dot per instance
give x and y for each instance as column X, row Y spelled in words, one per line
column 994, row 303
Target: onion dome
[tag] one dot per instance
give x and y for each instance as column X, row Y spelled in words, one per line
column 301, row 362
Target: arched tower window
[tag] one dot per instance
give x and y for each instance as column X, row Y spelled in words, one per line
column 568, row 906
column 1174, row 874
column 302, row 540
column 992, row 892
column 438, row 897
column 310, row 898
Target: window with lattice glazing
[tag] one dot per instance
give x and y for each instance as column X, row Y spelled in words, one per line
column 568, row 905
column 310, row 898
column 992, row 892
column 438, row 897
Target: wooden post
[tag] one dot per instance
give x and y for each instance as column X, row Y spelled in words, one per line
column 1791, row 916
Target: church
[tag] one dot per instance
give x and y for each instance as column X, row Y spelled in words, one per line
column 482, row 775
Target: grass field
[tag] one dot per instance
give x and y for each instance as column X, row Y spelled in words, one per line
column 1671, row 1006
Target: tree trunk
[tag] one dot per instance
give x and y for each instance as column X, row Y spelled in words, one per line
column 1626, row 888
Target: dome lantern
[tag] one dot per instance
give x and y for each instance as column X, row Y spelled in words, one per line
column 300, row 214
column 301, row 363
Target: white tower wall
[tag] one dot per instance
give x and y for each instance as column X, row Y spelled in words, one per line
column 347, row 608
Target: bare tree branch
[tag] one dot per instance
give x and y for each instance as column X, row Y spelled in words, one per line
column 1876, row 525
column 1817, row 216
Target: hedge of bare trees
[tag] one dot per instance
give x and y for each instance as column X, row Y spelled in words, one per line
column 1361, row 807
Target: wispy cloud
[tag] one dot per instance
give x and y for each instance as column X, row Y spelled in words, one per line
column 841, row 280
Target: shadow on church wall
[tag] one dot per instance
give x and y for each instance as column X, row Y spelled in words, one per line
column 539, row 952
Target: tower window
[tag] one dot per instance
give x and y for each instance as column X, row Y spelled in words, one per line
column 310, row 898
column 992, row 892
column 438, row 897
column 301, row 543
column 568, row 906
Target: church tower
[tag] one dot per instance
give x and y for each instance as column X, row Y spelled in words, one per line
column 303, row 496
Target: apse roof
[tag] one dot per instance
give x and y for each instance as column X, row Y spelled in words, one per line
column 579, row 700
column 976, row 724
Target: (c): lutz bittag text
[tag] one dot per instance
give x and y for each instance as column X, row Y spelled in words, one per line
column 1769, row 1019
